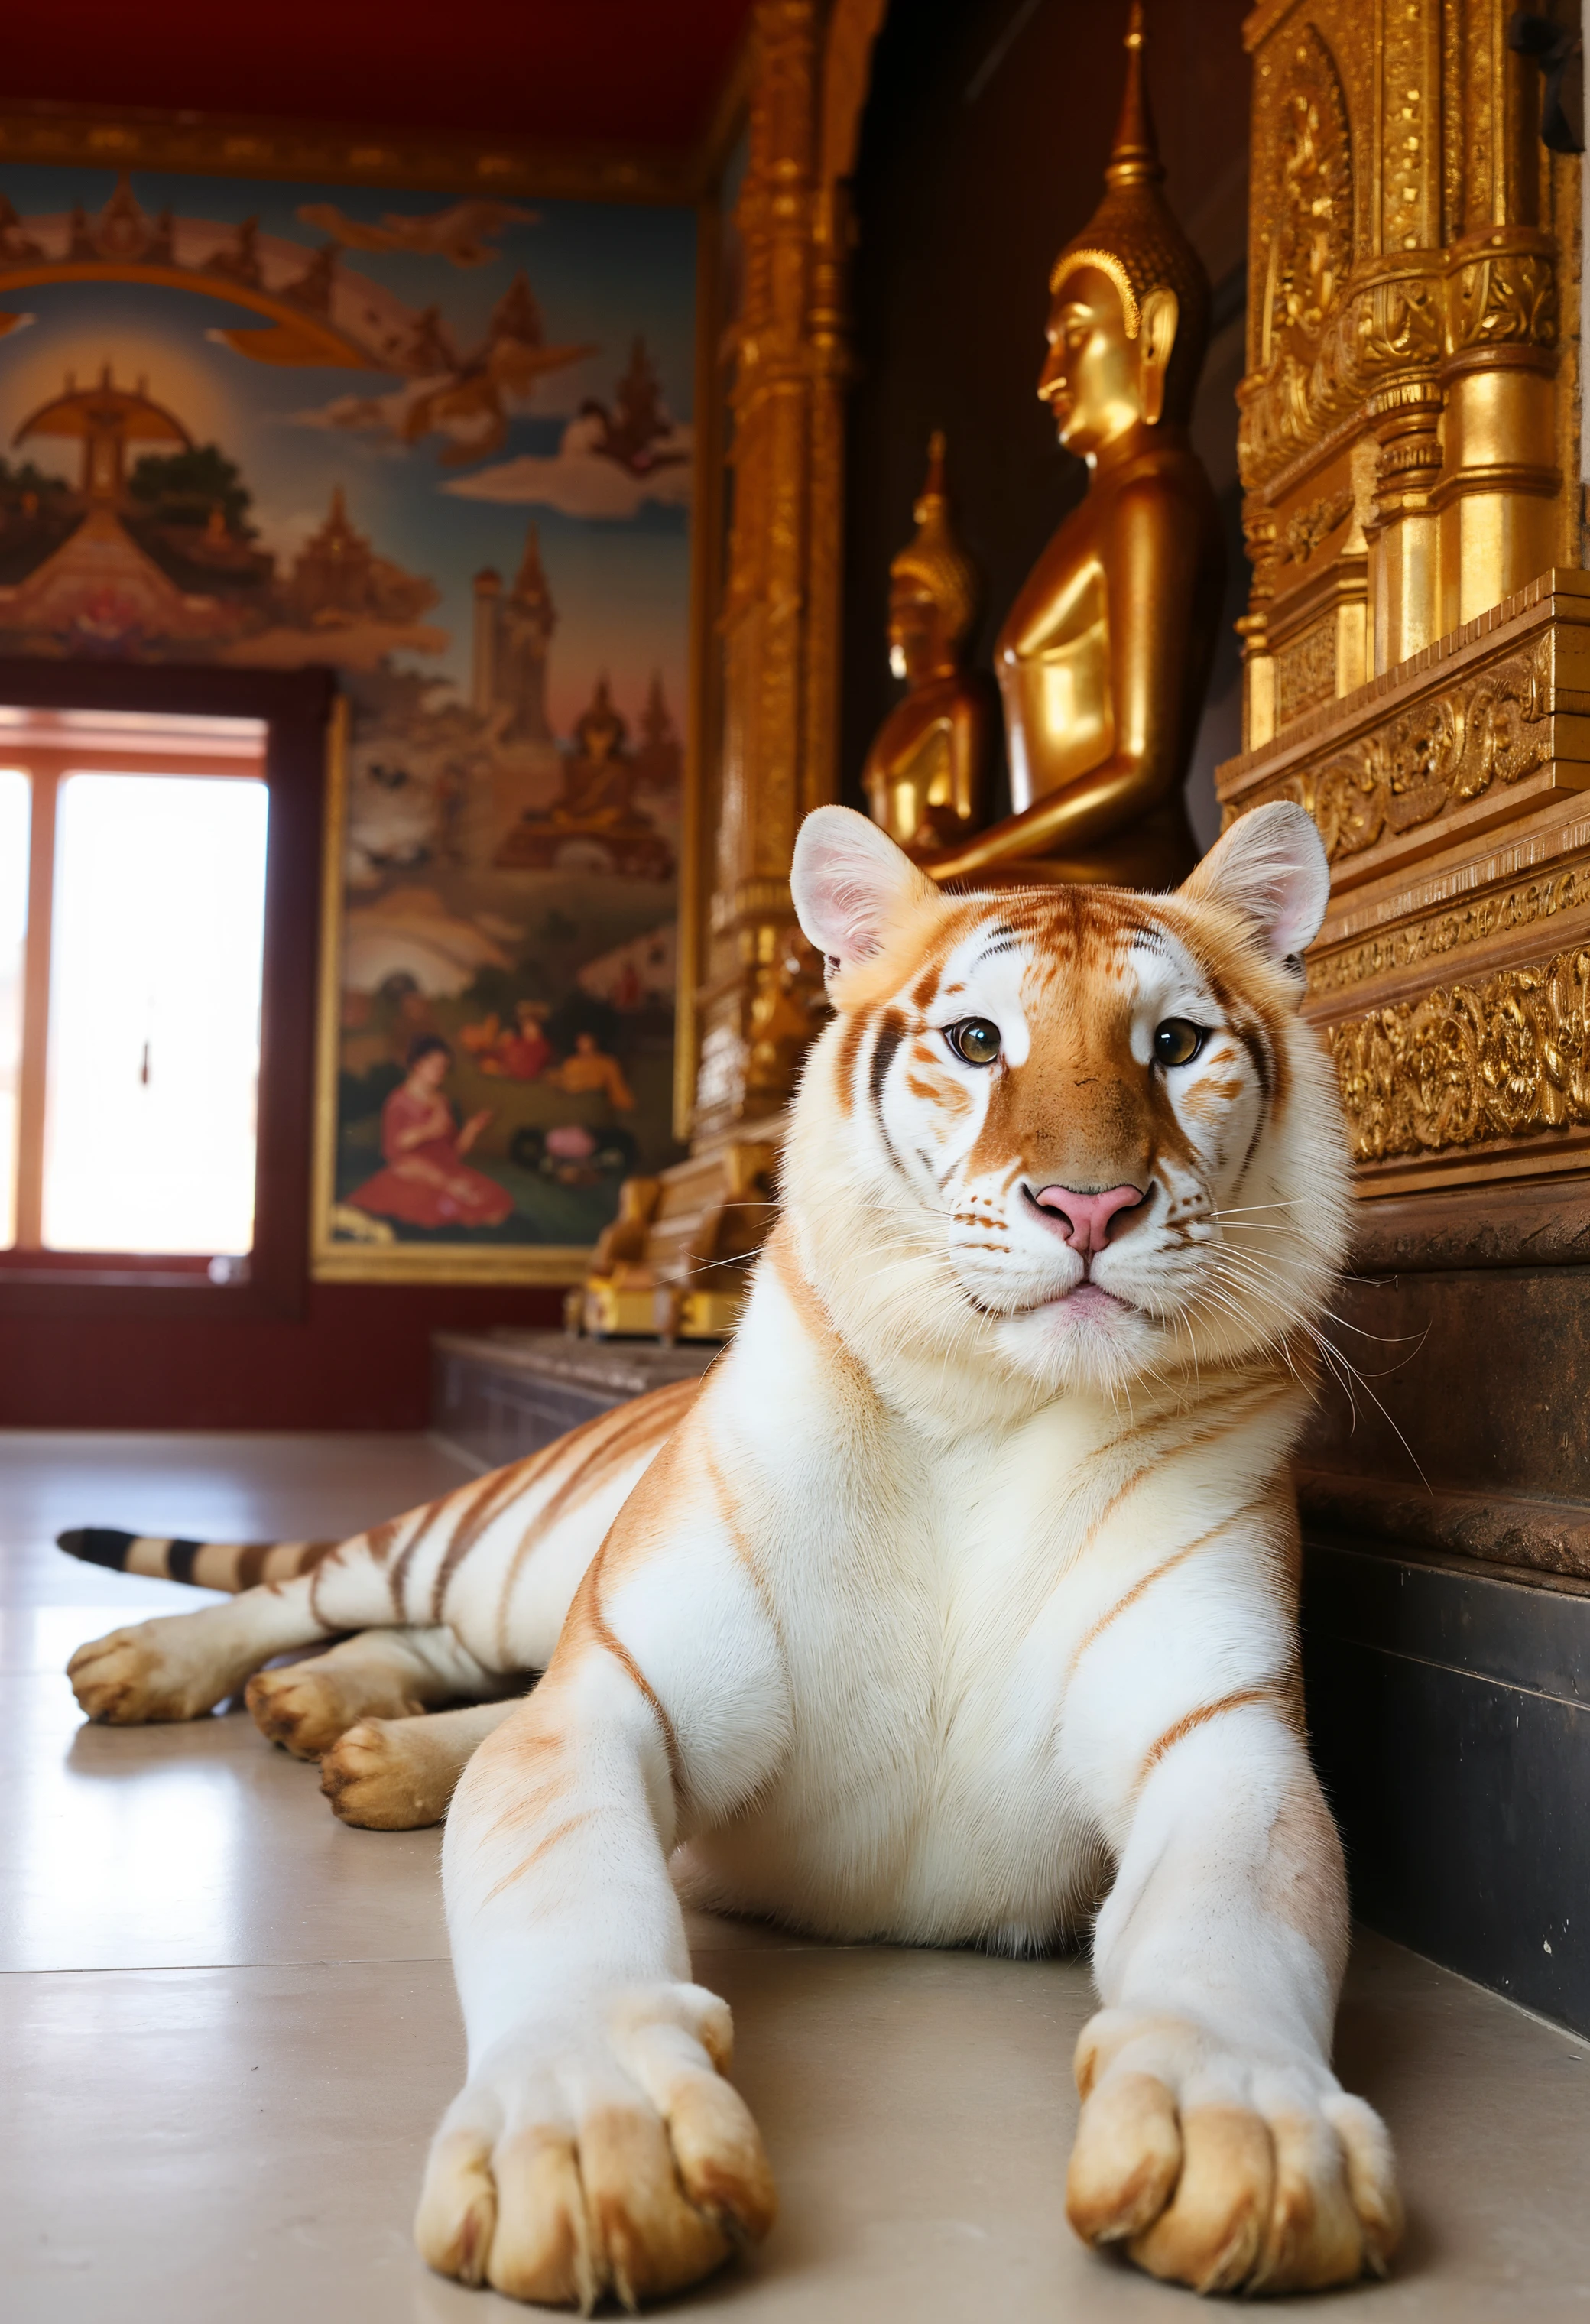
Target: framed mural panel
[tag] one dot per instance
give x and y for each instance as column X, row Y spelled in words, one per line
column 485, row 532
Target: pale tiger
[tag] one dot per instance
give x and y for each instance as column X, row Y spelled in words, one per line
column 956, row 1605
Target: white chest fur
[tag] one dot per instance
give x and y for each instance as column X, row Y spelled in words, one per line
column 939, row 1602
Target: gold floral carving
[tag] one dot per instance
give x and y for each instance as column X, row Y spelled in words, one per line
column 1390, row 324
column 1335, row 323
column 1446, row 750
column 1311, row 241
column 1406, row 319
column 1315, row 521
column 1305, row 671
column 1469, row 1063
column 1505, row 298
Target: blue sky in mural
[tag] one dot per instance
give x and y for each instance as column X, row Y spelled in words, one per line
column 601, row 276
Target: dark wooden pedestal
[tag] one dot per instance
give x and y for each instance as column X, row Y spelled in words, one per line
column 1449, row 1717
column 1447, row 1606
column 496, row 1396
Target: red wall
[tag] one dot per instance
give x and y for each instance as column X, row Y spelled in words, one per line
column 359, row 1358
column 626, row 72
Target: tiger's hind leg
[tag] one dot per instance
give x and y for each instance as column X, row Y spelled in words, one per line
column 387, row 1674
column 395, row 1775
column 498, row 1560
column 180, row 1666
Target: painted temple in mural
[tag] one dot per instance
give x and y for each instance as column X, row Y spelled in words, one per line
column 487, row 538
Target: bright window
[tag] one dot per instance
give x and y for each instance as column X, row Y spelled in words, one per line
column 132, row 938
column 154, row 1014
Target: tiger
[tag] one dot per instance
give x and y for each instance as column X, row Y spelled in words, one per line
column 956, row 1605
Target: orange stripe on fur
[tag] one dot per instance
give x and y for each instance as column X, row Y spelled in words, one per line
column 482, row 1511
column 397, row 1579
column 627, row 1431
column 559, row 1831
column 606, row 1637
column 1146, row 1582
column 1243, row 1699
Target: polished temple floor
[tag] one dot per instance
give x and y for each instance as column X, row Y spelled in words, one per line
column 229, row 2024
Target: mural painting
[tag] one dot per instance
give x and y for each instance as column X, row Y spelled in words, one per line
column 446, row 448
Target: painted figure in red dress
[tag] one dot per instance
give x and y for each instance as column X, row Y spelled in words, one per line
column 425, row 1182
column 524, row 1052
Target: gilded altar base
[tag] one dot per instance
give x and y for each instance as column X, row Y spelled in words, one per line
column 675, row 1264
column 1417, row 651
column 1451, row 980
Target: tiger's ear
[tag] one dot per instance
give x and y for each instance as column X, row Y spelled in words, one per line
column 850, row 883
column 1270, row 867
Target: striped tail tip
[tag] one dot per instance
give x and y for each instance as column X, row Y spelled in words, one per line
column 232, row 1565
column 97, row 1546
column 155, row 1556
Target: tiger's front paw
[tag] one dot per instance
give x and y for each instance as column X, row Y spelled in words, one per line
column 602, row 2154
column 391, row 1774
column 1225, row 2169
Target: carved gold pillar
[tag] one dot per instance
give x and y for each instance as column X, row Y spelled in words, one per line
column 1417, row 644
column 768, row 684
column 1402, row 415
column 761, row 621
column 779, row 623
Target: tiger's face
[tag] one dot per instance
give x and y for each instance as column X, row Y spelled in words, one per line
column 1097, row 1110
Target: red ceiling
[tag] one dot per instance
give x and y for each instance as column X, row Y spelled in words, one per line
column 641, row 72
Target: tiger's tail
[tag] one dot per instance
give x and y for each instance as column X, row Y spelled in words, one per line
column 232, row 1565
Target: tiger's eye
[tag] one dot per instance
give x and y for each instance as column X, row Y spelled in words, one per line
column 974, row 1040
column 1177, row 1042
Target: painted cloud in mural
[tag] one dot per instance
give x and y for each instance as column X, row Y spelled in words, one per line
column 410, row 934
column 582, row 479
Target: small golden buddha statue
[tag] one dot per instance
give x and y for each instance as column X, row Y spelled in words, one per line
column 926, row 774
column 595, row 809
column 1105, row 656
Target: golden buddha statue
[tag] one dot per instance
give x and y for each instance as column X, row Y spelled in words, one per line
column 1105, row 656
column 926, row 774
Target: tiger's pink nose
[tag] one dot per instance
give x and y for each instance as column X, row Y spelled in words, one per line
column 1086, row 1218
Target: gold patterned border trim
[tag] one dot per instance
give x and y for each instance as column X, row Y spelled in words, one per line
column 1305, row 671
column 1412, row 943
column 1559, row 596
column 1490, row 729
column 1508, row 1058
column 225, row 146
